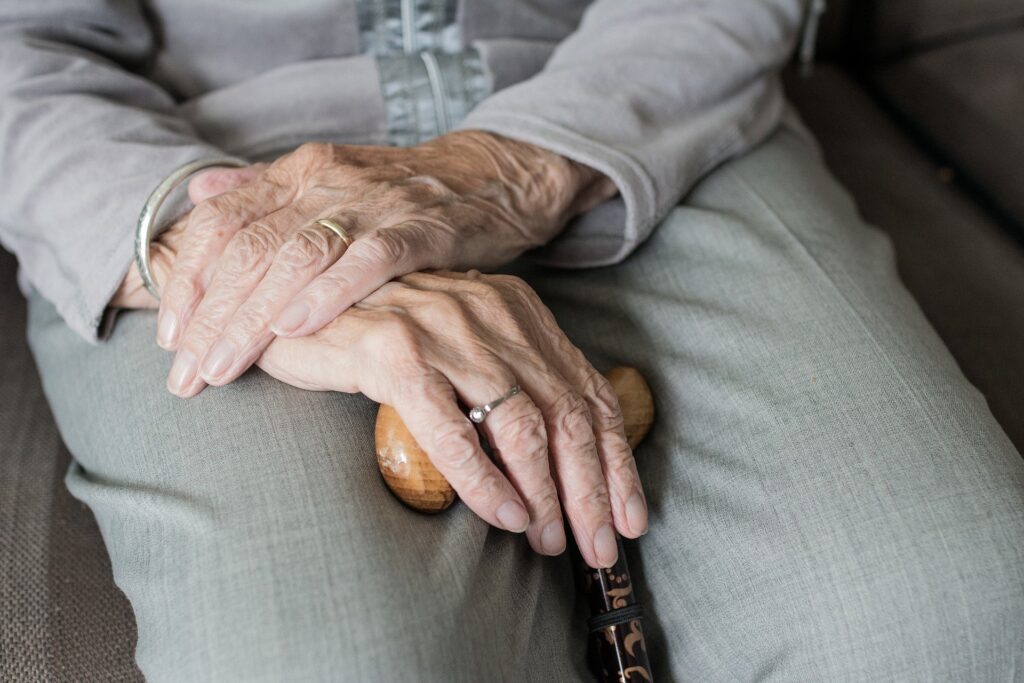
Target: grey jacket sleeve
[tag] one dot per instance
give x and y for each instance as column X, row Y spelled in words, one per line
column 84, row 142
column 653, row 93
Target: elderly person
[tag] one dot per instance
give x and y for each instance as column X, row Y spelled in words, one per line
column 825, row 496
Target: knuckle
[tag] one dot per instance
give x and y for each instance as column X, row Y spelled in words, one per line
column 399, row 336
column 215, row 215
column 443, row 306
column 456, row 447
column 250, row 248
column 304, row 251
column 201, row 330
column 314, row 153
column 420, row 187
column 546, row 501
column 484, row 485
column 592, row 501
column 513, row 284
column 620, row 465
column 525, row 438
column 605, row 407
column 329, row 283
column 181, row 288
column 249, row 322
column 483, row 293
column 207, row 213
column 383, row 246
column 573, row 415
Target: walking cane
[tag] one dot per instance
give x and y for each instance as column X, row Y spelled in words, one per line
column 617, row 652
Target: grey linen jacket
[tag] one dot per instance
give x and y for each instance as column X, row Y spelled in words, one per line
column 101, row 99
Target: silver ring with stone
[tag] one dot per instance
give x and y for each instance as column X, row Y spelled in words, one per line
column 480, row 413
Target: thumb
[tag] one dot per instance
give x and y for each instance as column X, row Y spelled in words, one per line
column 217, row 180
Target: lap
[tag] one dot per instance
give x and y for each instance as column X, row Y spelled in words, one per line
column 251, row 531
column 831, row 499
column 820, row 473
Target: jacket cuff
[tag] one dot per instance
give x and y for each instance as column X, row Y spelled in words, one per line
column 606, row 234
column 110, row 255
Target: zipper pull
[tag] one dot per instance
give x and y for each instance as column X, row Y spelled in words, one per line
column 809, row 36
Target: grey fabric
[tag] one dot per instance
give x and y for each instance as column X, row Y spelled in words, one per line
column 425, row 94
column 401, row 26
column 61, row 618
column 102, row 100
column 966, row 98
column 831, row 499
column 715, row 71
column 964, row 269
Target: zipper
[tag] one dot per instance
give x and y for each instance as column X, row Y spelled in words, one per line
column 408, row 9
column 809, row 36
column 441, row 113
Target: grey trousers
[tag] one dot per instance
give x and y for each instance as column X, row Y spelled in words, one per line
column 830, row 498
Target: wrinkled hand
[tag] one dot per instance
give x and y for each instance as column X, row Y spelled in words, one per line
column 253, row 263
column 427, row 340
column 164, row 249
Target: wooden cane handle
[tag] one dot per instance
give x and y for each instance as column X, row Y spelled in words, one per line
column 411, row 476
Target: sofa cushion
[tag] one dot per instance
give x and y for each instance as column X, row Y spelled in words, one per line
column 964, row 269
column 967, row 99
column 902, row 25
column 61, row 617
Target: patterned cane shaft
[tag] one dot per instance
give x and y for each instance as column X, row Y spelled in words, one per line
column 617, row 651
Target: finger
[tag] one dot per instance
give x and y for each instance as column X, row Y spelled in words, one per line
column 518, row 437
column 431, row 413
column 246, row 259
column 366, row 265
column 576, row 466
column 211, row 226
column 572, row 446
column 306, row 254
column 629, row 505
column 217, row 180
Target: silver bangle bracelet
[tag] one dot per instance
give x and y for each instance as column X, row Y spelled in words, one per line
column 147, row 219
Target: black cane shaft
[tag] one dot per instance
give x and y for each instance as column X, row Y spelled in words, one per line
column 617, row 651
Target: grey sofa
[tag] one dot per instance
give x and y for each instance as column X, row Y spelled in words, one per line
column 918, row 105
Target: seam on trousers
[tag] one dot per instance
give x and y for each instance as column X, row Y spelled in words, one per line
column 741, row 179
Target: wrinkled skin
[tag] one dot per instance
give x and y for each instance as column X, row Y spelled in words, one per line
column 428, row 340
column 253, row 263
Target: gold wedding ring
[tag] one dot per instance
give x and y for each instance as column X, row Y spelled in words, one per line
column 336, row 228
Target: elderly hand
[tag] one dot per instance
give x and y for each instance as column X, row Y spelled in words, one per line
column 254, row 263
column 164, row 249
column 428, row 341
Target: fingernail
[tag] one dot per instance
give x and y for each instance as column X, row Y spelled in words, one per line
column 636, row 514
column 513, row 516
column 218, row 359
column 605, row 548
column 552, row 539
column 183, row 371
column 291, row 318
column 166, row 329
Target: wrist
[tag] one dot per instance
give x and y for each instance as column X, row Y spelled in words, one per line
column 546, row 187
